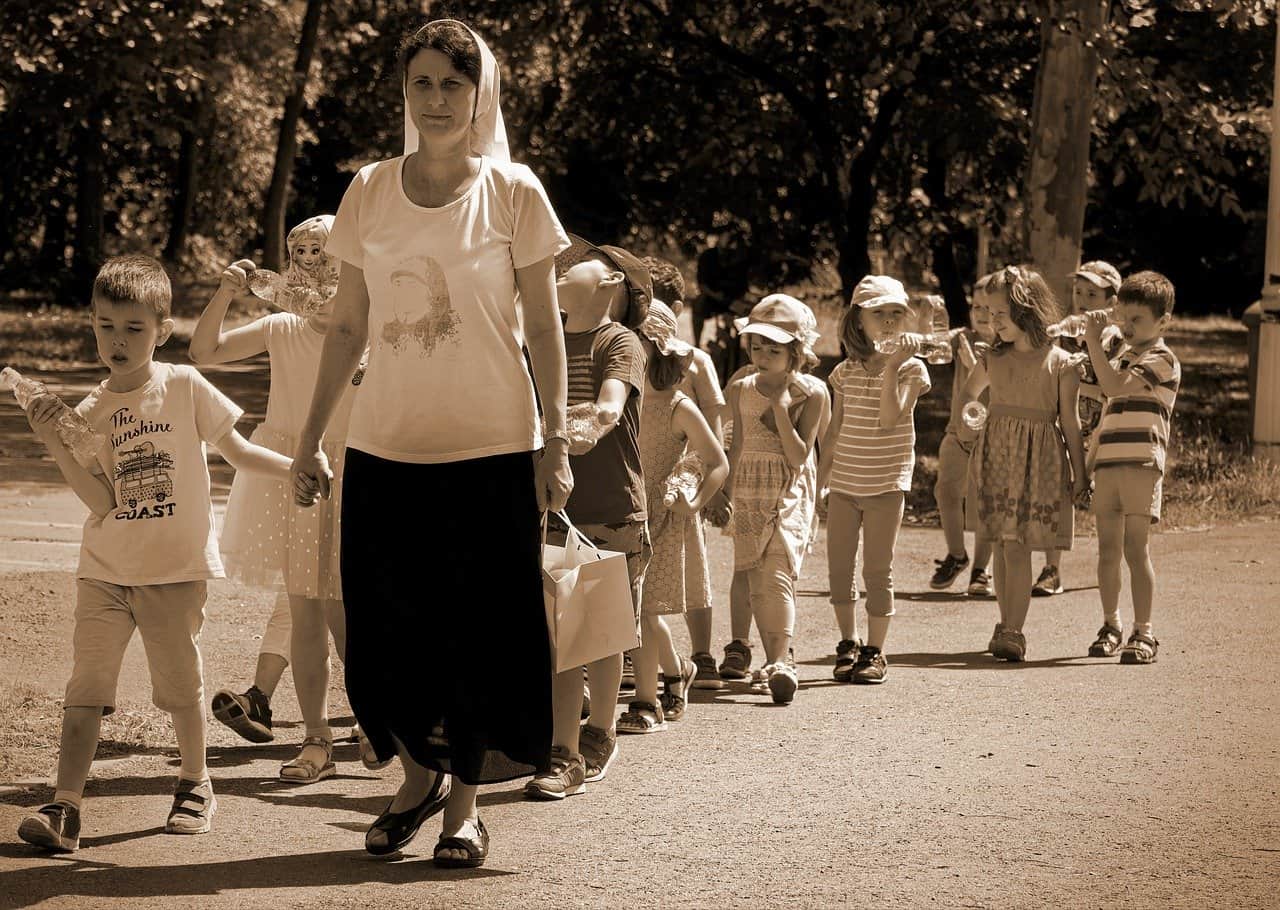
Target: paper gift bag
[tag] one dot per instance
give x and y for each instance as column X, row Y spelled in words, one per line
column 587, row 594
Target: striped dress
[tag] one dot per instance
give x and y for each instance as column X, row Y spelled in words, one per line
column 1135, row 426
column 870, row 460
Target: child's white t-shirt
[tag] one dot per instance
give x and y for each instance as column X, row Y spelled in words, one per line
column 295, row 347
column 447, row 378
column 162, row 529
column 870, row 459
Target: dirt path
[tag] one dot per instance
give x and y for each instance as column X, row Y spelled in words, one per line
column 961, row 782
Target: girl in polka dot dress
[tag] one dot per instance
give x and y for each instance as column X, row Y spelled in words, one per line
column 1027, row 464
column 267, row 540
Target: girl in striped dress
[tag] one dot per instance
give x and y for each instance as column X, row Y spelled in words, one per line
column 867, row 459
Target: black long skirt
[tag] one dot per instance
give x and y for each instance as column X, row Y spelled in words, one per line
column 447, row 646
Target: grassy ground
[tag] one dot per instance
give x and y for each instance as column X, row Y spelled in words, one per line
column 1211, row 477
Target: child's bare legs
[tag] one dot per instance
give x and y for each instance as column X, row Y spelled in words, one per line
column 81, row 728
column 267, row 675
column 981, row 551
column 1111, row 552
column 1142, row 574
column 310, row 655
column 844, row 521
column 656, row 648
column 605, row 678
column 740, row 606
column 1015, row 588
column 699, row 623
column 336, row 619
column 189, row 731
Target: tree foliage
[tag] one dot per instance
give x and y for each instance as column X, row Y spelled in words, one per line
column 804, row 134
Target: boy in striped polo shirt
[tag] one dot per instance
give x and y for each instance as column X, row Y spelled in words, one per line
column 1128, row 457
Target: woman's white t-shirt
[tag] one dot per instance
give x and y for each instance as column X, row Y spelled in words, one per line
column 447, row 379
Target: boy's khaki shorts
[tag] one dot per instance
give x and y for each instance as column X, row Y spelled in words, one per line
column 1128, row 490
column 953, row 468
column 168, row 617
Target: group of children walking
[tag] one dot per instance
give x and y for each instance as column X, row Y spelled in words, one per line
column 776, row 449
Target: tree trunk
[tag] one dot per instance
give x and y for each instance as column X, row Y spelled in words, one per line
column 942, row 245
column 184, row 195
column 852, row 237
column 91, row 187
column 1062, row 114
column 282, row 174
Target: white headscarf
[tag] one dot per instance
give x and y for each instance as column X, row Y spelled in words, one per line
column 488, row 130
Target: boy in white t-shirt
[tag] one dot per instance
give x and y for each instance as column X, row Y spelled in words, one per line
column 149, row 543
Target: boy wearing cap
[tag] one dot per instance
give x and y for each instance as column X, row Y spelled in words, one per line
column 1093, row 288
column 604, row 293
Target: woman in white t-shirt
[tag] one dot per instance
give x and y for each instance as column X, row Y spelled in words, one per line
column 448, row 273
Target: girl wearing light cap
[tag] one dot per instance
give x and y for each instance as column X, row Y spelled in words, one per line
column 776, row 420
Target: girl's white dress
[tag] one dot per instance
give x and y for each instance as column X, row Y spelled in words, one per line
column 267, row 540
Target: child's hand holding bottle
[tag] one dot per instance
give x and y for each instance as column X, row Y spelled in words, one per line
column 235, row 277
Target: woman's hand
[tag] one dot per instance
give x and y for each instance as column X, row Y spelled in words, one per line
column 312, row 477
column 552, row 477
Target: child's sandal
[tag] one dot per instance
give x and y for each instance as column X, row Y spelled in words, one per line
column 674, row 702
column 368, row 755
column 304, row 770
column 642, row 717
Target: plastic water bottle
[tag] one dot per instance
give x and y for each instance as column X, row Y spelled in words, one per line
column 974, row 415
column 73, row 430
column 934, row 347
column 686, row 478
column 265, row 284
column 582, row 423
column 1071, row 327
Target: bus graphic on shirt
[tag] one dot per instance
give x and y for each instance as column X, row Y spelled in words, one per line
column 142, row 475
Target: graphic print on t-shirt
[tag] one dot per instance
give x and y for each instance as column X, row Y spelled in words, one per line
column 143, row 474
column 424, row 316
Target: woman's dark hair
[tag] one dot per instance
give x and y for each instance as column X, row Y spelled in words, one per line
column 1032, row 306
column 449, row 38
column 665, row 370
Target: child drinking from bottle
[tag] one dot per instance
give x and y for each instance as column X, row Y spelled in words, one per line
column 868, row 457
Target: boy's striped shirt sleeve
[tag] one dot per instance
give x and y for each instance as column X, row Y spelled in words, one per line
column 1135, row 426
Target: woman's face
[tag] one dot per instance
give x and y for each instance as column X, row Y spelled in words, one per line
column 442, row 101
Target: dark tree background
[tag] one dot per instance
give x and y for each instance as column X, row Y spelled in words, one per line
column 805, row 139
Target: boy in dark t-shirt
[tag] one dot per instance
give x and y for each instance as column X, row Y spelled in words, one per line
column 604, row 293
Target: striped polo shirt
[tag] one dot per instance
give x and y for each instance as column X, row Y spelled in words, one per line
column 1135, row 427
column 870, row 460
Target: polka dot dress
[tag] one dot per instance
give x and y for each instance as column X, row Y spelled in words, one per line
column 268, row 540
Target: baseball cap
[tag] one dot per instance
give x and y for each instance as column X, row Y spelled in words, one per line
column 636, row 274
column 878, row 290
column 1103, row 274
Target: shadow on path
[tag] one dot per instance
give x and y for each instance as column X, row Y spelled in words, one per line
column 981, row 660
column 69, row 876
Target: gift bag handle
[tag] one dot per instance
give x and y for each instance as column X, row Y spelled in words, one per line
column 583, row 540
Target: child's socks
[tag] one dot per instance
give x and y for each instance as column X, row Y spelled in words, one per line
column 69, row 798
